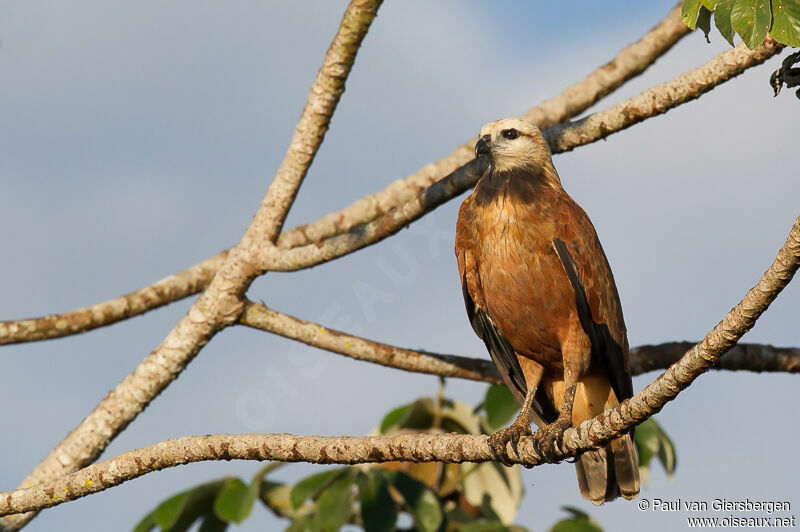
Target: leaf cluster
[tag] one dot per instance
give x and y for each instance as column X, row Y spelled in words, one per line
column 752, row 20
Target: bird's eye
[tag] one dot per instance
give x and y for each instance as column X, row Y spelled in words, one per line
column 510, row 134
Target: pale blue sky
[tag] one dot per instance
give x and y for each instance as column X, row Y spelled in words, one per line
column 137, row 138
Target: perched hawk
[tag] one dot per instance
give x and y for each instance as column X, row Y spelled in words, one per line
column 540, row 294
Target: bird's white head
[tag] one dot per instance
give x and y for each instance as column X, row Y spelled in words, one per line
column 514, row 144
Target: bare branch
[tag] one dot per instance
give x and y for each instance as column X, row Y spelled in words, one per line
column 424, row 447
column 222, row 302
column 698, row 360
column 563, row 137
column 316, row 117
column 645, row 358
column 266, row 319
column 661, row 98
column 158, row 294
column 282, row 447
column 742, row 357
column 628, row 63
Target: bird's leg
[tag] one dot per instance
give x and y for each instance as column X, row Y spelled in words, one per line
column 522, row 424
column 548, row 439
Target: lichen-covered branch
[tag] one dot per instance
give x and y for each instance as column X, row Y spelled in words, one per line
column 173, row 288
column 423, row 447
column 661, row 98
column 281, row 447
column 316, row 117
column 223, row 301
column 697, row 360
column 645, row 358
column 628, row 63
column 264, row 318
column 563, row 137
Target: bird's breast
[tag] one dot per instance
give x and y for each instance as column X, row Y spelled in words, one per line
column 525, row 287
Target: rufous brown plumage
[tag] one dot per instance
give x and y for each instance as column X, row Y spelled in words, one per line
column 539, row 292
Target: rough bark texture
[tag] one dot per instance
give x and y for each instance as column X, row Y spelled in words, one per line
column 741, row 357
column 365, row 222
column 563, row 137
column 223, row 301
column 263, row 318
column 661, row 98
column 649, row 401
column 167, row 290
column 424, row 447
column 628, row 63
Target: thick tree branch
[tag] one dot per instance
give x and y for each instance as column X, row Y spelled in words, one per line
column 222, row 302
column 698, row 360
column 424, row 447
column 263, row 318
column 661, row 98
column 645, row 358
column 742, row 357
column 151, row 297
column 281, row 447
column 628, row 63
column 563, row 137
column 316, row 117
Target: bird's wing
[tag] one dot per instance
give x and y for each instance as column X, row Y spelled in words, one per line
column 596, row 296
column 503, row 355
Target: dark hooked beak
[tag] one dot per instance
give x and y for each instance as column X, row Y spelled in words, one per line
column 482, row 147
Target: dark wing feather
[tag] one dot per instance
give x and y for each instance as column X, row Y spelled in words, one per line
column 609, row 347
column 500, row 350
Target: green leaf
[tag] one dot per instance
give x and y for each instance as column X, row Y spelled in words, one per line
column 500, row 406
column 147, row 523
column 689, row 13
column 235, row 501
column 709, row 4
column 422, row 502
column 335, row 504
column 651, row 440
column 212, row 523
column 394, row 417
column 417, row 415
column 169, row 511
column 378, row 509
column 704, row 22
column 277, row 497
column 310, row 487
column 182, row 509
column 786, row 23
column 578, row 522
column 722, row 19
column 751, row 19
